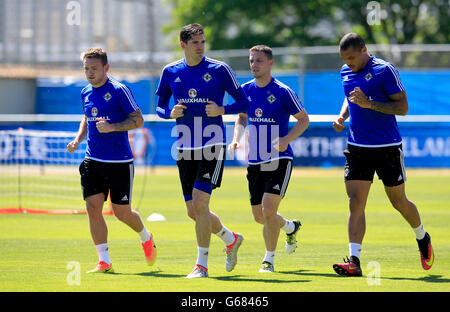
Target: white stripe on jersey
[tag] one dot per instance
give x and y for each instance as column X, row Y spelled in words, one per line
column 169, row 65
column 228, row 68
column 174, row 63
column 269, row 160
column 248, row 82
column 161, row 110
column 374, row 146
column 376, row 60
column 397, row 76
column 109, row 161
column 183, row 148
column 126, row 91
column 291, row 93
column 393, row 70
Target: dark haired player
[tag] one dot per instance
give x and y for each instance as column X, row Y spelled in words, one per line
column 374, row 94
column 198, row 85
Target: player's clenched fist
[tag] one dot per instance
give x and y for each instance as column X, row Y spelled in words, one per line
column 72, row 146
column 213, row 110
column 178, row 111
column 338, row 124
column 103, row 126
column 280, row 144
column 357, row 96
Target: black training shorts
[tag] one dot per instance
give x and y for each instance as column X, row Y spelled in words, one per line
column 387, row 162
column 270, row 178
column 114, row 178
column 200, row 165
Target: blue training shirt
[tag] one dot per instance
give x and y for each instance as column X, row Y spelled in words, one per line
column 112, row 101
column 194, row 86
column 368, row 128
column 268, row 118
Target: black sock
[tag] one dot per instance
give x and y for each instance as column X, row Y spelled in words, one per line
column 423, row 245
column 355, row 260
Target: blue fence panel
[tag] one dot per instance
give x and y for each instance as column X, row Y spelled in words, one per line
column 428, row 92
column 424, row 144
column 59, row 96
column 62, row 95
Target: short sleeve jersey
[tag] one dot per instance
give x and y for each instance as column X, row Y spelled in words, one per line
column 268, row 118
column 378, row 80
column 113, row 102
column 194, row 86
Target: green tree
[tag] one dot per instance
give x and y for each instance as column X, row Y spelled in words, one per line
column 236, row 24
column 402, row 21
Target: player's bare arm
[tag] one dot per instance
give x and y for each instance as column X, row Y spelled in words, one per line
column 214, row 110
column 398, row 105
column 239, row 129
column 81, row 135
column 178, row 111
column 281, row 143
column 338, row 124
column 135, row 120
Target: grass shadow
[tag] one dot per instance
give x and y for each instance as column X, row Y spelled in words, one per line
column 158, row 273
column 309, row 273
column 431, row 278
column 236, row 278
column 268, row 278
column 272, row 278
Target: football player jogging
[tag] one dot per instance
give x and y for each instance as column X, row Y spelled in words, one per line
column 109, row 112
column 374, row 94
column 270, row 155
column 198, row 85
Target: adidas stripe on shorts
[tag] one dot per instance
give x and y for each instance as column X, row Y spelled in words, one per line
column 270, row 178
column 203, row 165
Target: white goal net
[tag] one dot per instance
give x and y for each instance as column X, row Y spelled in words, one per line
column 37, row 173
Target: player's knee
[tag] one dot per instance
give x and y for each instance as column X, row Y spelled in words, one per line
column 354, row 197
column 258, row 216
column 191, row 214
column 268, row 212
column 190, row 209
column 401, row 203
column 198, row 208
column 199, row 205
column 123, row 216
column 93, row 210
column 258, row 219
column 94, row 205
column 120, row 216
column 396, row 202
column 357, row 203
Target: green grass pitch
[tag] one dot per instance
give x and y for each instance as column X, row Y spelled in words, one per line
column 53, row 252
